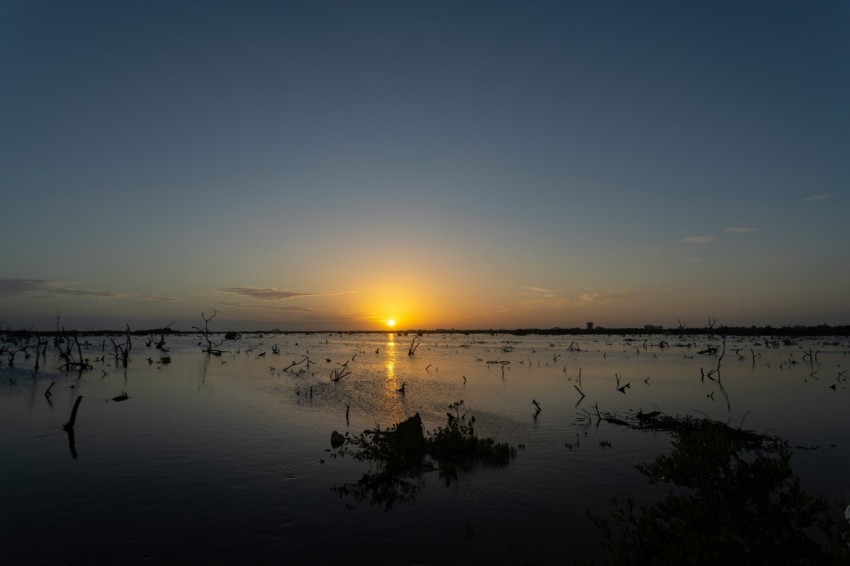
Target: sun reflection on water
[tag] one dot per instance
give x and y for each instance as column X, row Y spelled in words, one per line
column 393, row 395
column 390, row 358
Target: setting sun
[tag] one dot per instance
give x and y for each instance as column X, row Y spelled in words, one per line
column 391, row 323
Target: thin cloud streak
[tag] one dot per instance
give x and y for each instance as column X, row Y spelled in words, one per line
column 270, row 293
column 540, row 290
column 150, row 297
column 741, row 229
column 608, row 296
column 264, row 307
column 699, row 239
column 47, row 289
column 552, row 301
column 816, row 198
column 264, row 293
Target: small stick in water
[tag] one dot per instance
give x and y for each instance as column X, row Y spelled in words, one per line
column 69, row 426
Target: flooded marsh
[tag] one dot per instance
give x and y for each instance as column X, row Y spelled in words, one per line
column 226, row 455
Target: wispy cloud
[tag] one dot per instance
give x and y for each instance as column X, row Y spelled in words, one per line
column 264, row 293
column 503, row 310
column 537, row 291
column 608, row 296
column 815, row 198
column 699, row 239
column 150, row 297
column 353, row 315
column 547, row 303
column 549, row 300
column 538, row 297
column 327, row 320
column 270, row 293
column 44, row 289
column 741, row 229
column 263, row 307
column 47, row 289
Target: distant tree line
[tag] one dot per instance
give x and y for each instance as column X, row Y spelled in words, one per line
column 785, row 331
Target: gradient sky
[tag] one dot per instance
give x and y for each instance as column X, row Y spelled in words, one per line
column 330, row 165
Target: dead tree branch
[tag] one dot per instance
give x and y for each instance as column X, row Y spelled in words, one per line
column 206, row 333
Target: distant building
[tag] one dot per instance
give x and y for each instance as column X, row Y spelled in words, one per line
column 653, row 327
column 590, row 326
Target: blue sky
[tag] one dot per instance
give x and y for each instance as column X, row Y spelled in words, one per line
column 330, row 165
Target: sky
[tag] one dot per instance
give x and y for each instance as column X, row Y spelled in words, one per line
column 334, row 165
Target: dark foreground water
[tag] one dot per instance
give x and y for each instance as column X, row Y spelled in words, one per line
column 219, row 459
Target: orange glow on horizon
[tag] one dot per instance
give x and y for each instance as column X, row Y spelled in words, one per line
column 423, row 301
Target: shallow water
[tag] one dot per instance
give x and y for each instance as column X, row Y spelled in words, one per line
column 218, row 459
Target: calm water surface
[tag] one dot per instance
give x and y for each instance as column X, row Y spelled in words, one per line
column 219, row 459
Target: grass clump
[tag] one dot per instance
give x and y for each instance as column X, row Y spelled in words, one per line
column 457, row 447
column 402, row 454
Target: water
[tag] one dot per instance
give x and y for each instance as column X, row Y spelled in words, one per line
column 226, row 458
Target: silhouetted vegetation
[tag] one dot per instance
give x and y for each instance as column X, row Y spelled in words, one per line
column 69, row 427
column 403, row 453
column 122, row 350
column 160, row 344
column 737, row 502
column 67, row 355
column 414, row 344
column 207, row 334
column 456, row 447
column 658, row 421
column 821, row 330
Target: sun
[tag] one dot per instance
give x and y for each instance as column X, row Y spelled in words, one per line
column 391, row 323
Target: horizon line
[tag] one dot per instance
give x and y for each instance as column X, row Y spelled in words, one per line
column 841, row 329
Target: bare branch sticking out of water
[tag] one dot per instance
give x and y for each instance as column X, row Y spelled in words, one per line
column 580, row 393
column 414, row 344
column 160, row 344
column 336, row 374
column 72, row 421
column 122, row 350
column 294, row 363
column 206, row 333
